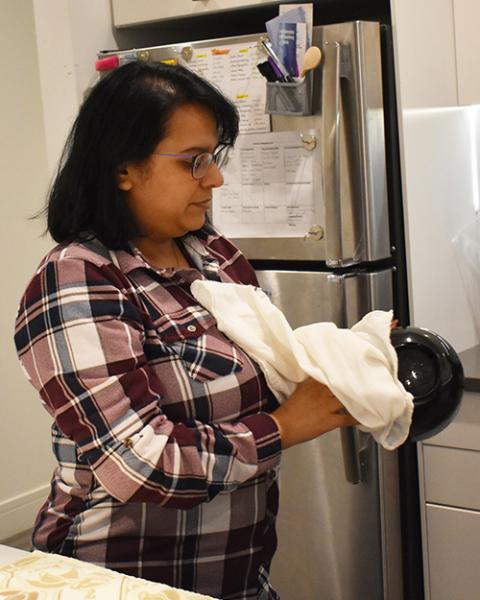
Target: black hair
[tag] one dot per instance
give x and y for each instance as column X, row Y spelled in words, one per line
column 121, row 121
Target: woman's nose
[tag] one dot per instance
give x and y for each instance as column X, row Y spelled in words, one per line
column 213, row 177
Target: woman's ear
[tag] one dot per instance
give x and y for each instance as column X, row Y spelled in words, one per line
column 124, row 179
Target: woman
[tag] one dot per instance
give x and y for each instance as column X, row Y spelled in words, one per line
column 166, row 435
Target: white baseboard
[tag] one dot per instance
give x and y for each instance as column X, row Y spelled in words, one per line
column 18, row 513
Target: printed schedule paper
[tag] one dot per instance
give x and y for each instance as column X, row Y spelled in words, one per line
column 233, row 69
column 272, row 187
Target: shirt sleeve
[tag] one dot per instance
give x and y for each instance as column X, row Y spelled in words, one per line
column 79, row 339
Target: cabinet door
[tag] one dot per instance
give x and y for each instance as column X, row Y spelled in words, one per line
column 464, row 431
column 452, row 476
column 467, row 40
column 126, row 12
column 424, row 47
column 453, row 553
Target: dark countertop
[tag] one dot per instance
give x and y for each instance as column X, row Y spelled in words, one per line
column 471, row 365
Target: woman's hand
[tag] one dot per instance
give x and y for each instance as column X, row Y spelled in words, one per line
column 310, row 411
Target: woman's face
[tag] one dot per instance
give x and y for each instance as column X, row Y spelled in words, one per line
column 162, row 194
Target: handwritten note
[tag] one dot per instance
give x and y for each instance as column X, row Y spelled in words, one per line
column 232, row 68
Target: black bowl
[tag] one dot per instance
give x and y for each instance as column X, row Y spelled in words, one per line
column 429, row 368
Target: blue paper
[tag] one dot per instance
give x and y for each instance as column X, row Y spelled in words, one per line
column 287, row 47
column 296, row 15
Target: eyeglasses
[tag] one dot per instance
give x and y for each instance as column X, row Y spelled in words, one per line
column 201, row 162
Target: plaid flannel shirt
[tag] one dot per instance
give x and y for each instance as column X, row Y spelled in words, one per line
column 166, row 453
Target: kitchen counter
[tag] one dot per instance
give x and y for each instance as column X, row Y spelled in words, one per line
column 471, row 365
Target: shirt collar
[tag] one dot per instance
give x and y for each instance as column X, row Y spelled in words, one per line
column 196, row 248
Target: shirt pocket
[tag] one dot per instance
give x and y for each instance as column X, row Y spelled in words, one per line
column 205, row 352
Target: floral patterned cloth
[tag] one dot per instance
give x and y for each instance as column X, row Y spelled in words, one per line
column 43, row 576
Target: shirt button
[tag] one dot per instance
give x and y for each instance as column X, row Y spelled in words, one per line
column 128, row 442
column 191, row 328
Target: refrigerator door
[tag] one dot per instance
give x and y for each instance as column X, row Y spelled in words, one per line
column 309, row 296
column 338, row 525
column 348, row 114
column 354, row 171
column 350, row 195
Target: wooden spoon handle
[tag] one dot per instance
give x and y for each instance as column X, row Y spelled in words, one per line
column 311, row 60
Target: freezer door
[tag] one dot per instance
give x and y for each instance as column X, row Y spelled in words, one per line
column 329, row 543
column 337, row 539
column 311, row 296
column 352, row 204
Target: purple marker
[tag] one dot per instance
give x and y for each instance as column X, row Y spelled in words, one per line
column 275, row 69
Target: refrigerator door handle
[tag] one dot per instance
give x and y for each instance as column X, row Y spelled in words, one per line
column 352, row 454
column 331, row 151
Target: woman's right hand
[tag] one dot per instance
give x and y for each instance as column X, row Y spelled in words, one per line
column 310, row 411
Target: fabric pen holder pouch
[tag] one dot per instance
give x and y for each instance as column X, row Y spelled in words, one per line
column 290, row 98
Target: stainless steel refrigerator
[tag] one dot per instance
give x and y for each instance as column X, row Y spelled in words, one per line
column 339, row 523
column 330, row 259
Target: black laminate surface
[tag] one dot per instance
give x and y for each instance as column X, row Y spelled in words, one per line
column 471, row 365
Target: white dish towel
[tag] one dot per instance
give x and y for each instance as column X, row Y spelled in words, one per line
column 359, row 365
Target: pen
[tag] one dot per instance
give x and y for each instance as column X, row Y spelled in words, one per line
column 276, row 71
column 272, row 54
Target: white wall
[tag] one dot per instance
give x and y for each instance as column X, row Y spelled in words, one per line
column 25, row 463
column 66, row 60
column 51, row 47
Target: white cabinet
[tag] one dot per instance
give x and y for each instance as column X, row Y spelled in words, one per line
column 452, row 476
column 454, row 553
column 467, row 39
column 424, row 46
column 126, row 12
column 437, row 52
column 450, row 492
